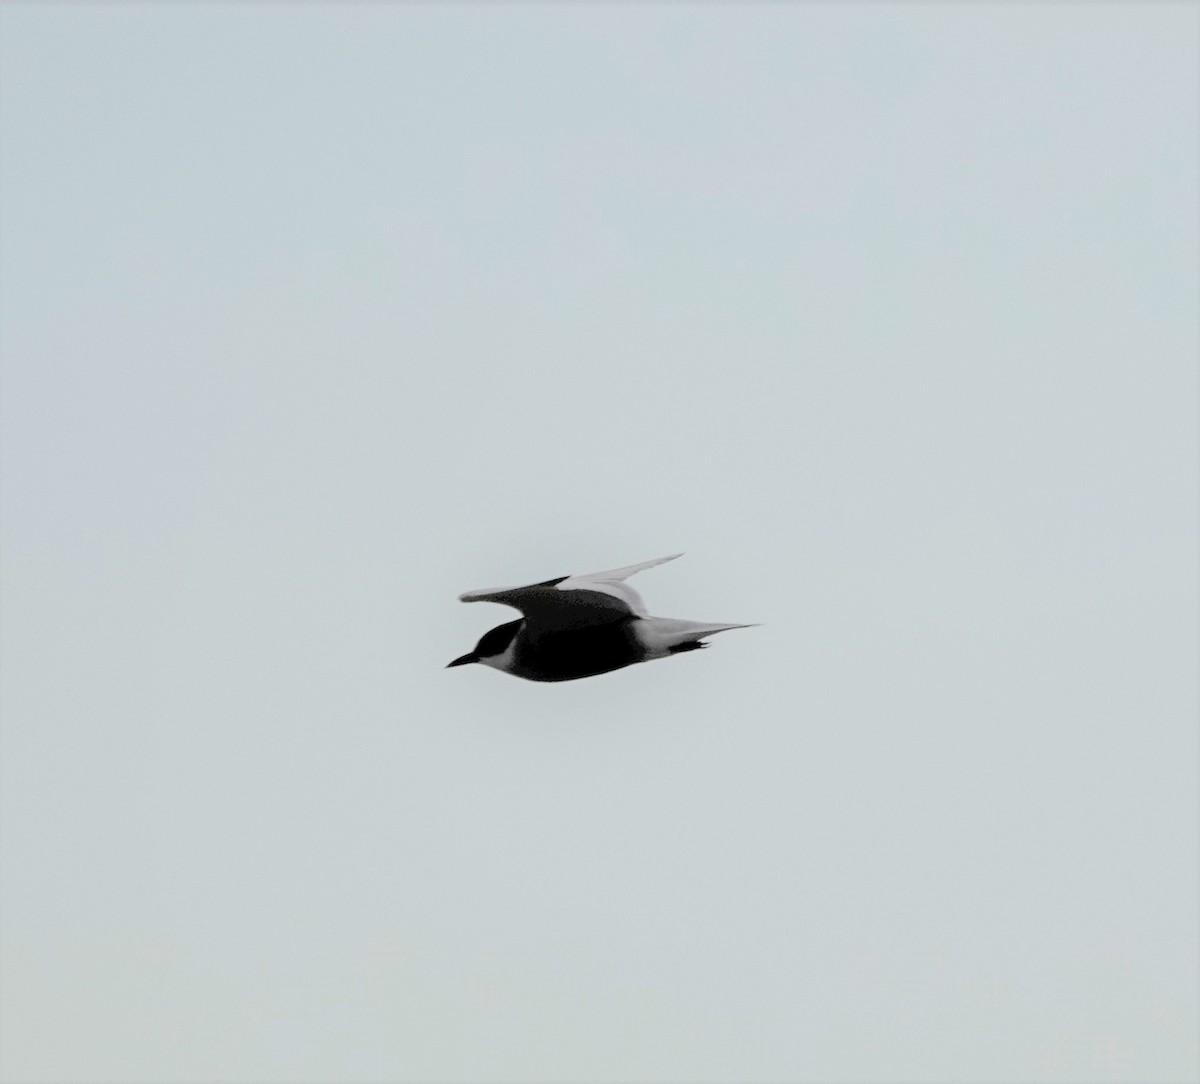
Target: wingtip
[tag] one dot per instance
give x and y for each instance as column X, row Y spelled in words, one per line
column 485, row 595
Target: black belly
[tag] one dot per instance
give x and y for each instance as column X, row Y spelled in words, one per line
column 579, row 653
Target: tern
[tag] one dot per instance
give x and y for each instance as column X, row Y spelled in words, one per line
column 579, row 626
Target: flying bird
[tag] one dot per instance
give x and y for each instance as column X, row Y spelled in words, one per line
column 579, row 626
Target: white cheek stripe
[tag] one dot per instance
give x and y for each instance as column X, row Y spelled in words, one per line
column 505, row 659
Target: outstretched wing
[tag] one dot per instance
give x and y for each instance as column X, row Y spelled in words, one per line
column 613, row 583
column 572, row 602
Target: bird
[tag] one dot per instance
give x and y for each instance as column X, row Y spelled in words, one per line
column 579, row 626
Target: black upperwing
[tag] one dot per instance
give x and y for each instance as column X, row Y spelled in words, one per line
column 548, row 610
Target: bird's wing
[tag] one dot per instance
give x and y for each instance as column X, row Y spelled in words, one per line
column 613, row 583
column 571, row 602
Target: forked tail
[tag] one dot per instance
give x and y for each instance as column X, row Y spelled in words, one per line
column 668, row 636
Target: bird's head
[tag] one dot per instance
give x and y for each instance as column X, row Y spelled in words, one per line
column 495, row 647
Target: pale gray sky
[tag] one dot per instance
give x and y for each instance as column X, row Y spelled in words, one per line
column 316, row 316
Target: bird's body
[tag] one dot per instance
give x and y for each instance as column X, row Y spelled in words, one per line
column 579, row 626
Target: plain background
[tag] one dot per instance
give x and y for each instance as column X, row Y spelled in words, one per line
column 316, row 316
